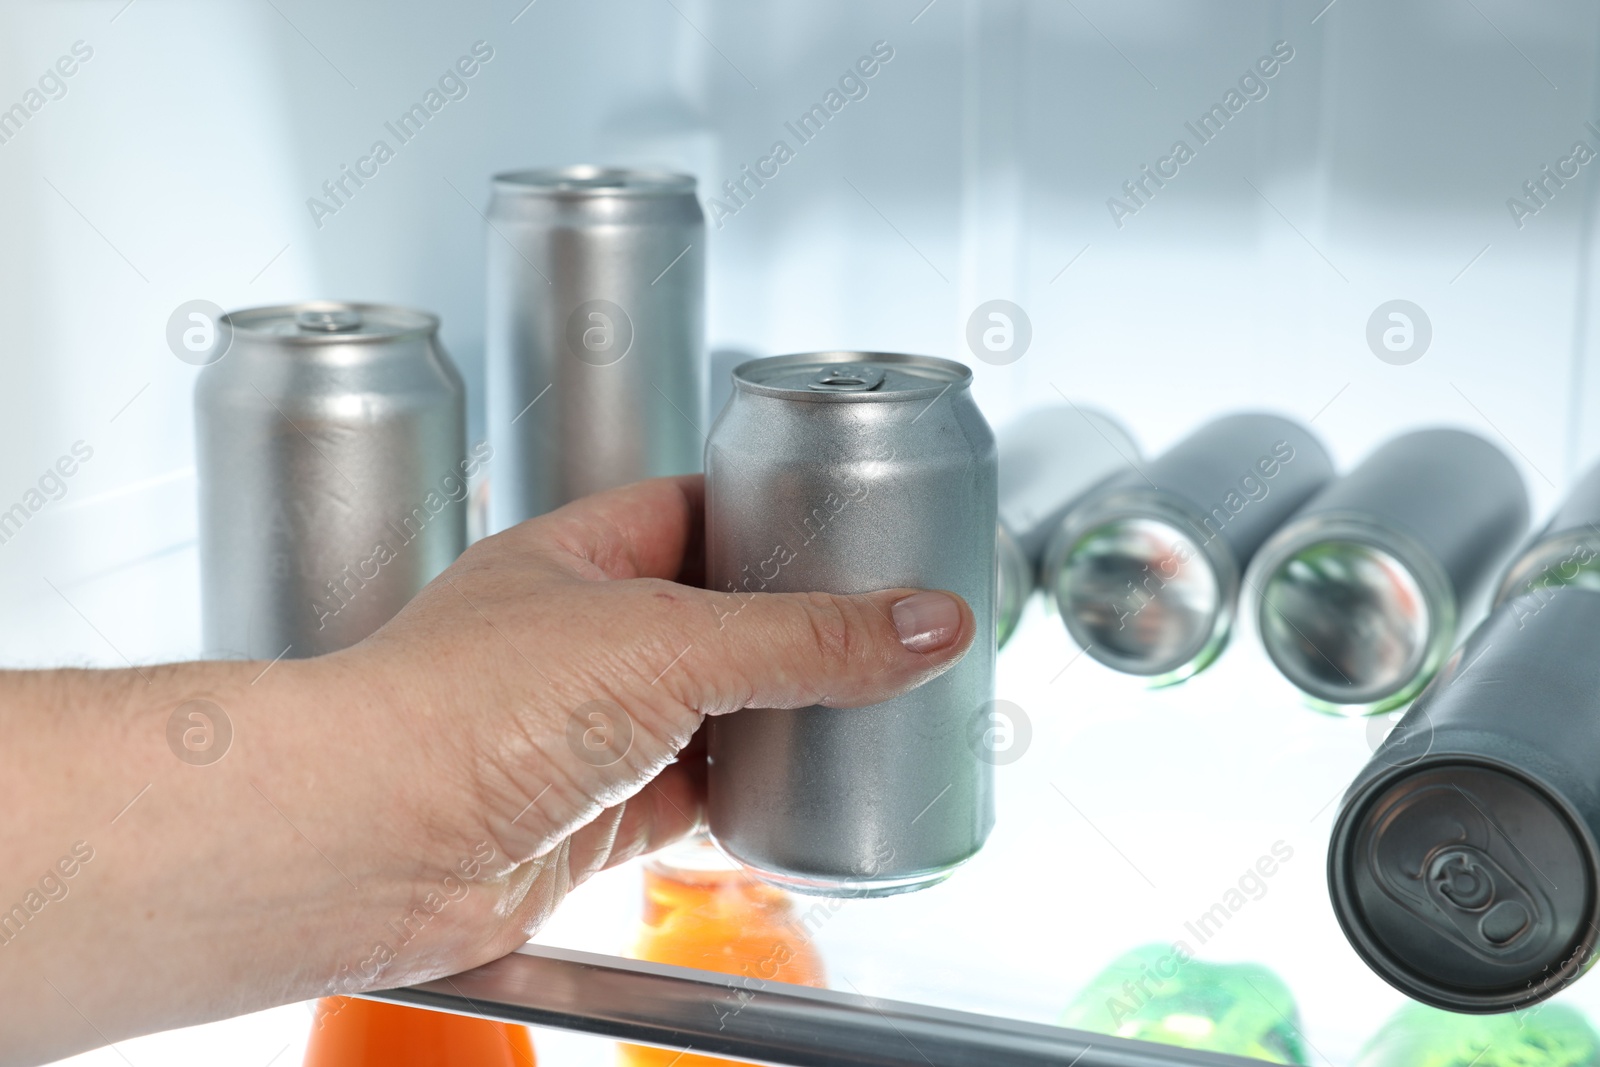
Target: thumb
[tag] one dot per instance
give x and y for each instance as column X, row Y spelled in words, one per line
column 789, row 650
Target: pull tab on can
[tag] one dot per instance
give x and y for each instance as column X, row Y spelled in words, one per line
column 340, row 320
column 1439, row 857
column 847, row 378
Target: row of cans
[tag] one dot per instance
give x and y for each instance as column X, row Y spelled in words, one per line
column 331, row 437
column 1463, row 865
column 1357, row 585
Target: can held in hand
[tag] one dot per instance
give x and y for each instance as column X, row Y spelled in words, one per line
column 1049, row 458
column 595, row 333
column 1566, row 552
column 331, row 451
column 1146, row 570
column 1358, row 599
column 848, row 472
column 1463, row 865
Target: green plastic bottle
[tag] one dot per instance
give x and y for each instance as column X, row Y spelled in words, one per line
column 1161, row 993
column 1545, row 1035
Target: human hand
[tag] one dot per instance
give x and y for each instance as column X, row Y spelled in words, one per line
column 418, row 803
column 558, row 673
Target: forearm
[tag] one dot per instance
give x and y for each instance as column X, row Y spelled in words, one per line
column 411, row 806
column 130, row 812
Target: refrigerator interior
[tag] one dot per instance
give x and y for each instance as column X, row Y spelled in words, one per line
column 1000, row 151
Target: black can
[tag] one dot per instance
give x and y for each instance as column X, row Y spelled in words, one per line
column 1463, row 865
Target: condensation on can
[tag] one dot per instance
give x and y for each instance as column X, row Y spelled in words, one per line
column 330, row 443
column 847, row 472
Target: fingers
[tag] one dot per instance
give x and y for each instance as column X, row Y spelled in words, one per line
column 786, row 650
column 646, row 530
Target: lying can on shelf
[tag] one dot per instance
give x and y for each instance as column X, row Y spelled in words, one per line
column 1463, row 865
column 1049, row 458
column 1566, row 552
column 1359, row 598
column 847, row 472
column 330, row 443
column 595, row 333
column 1146, row 569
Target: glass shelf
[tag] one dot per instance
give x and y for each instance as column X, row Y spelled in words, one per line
column 1132, row 817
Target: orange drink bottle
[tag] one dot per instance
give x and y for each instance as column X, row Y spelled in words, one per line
column 703, row 911
column 349, row 1032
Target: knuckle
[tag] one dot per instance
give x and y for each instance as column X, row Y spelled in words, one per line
column 834, row 625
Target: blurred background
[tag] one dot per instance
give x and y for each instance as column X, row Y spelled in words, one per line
column 1384, row 159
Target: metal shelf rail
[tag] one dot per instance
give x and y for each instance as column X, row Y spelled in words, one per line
column 765, row 1022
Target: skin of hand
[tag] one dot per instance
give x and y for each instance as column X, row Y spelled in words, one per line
column 416, row 804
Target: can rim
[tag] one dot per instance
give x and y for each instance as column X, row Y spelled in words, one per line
column 587, row 181
column 1394, row 970
column 1359, row 528
column 956, row 376
column 1121, row 503
column 244, row 320
column 842, row 885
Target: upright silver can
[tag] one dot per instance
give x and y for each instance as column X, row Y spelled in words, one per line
column 595, row 333
column 331, row 447
column 847, row 472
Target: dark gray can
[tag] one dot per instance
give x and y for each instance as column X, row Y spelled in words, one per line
column 330, row 442
column 1463, row 865
column 1146, row 569
column 848, row 472
column 596, row 312
column 1566, row 552
column 1358, row 599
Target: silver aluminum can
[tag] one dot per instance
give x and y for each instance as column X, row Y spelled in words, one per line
column 1359, row 598
column 330, row 442
column 595, row 333
column 847, row 472
column 1049, row 458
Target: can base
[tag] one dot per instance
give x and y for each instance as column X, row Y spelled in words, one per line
column 842, row 886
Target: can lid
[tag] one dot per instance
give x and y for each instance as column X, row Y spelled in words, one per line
column 587, row 181
column 1465, row 885
column 330, row 322
column 851, row 376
